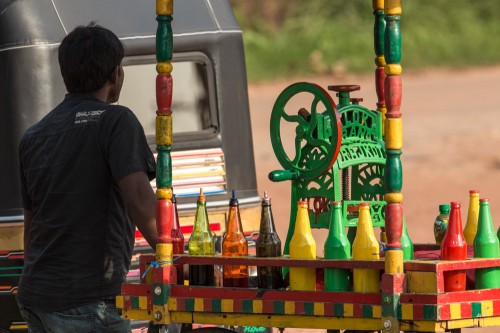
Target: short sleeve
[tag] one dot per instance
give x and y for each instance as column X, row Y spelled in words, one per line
column 126, row 146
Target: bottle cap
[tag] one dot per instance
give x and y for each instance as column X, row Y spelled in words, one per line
column 484, row 200
column 455, row 204
column 444, row 208
column 266, row 200
column 233, row 201
column 201, row 197
column 474, row 192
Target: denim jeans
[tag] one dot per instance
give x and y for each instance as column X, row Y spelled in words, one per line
column 99, row 317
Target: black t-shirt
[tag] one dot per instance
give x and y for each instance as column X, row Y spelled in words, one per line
column 81, row 238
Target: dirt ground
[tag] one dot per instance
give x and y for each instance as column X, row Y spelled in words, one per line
column 451, row 134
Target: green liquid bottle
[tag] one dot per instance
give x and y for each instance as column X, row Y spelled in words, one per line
column 201, row 243
column 268, row 245
column 486, row 246
column 337, row 246
column 234, row 244
column 406, row 243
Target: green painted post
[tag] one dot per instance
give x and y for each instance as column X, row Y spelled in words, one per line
column 393, row 175
column 164, row 39
column 392, row 40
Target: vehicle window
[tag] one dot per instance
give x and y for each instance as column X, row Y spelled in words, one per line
column 191, row 109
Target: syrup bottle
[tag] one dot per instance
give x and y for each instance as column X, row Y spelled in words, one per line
column 234, row 244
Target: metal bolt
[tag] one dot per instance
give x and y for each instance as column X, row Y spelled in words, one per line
column 158, row 291
column 387, row 325
column 158, row 316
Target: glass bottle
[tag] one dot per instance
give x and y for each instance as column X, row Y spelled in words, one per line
column 486, row 246
column 406, row 243
column 365, row 247
column 177, row 241
column 337, row 246
column 302, row 246
column 441, row 223
column 472, row 216
column 201, row 243
column 234, row 244
column 454, row 247
column 268, row 245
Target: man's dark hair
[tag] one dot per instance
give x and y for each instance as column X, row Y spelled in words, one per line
column 87, row 57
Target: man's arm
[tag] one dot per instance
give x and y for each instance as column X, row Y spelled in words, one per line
column 28, row 216
column 140, row 201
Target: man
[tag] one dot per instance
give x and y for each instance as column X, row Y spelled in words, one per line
column 85, row 172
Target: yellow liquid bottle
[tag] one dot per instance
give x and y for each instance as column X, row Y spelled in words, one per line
column 302, row 246
column 472, row 217
column 365, row 247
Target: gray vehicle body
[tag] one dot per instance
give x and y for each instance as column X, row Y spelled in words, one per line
column 31, row 84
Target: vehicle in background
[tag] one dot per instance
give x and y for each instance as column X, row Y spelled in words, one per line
column 212, row 143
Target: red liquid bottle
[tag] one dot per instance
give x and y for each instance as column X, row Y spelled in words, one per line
column 454, row 247
column 177, row 242
column 234, row 244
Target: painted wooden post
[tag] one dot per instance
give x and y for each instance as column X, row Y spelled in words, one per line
column 378, row 36
column 164, row 273
column 393, row 279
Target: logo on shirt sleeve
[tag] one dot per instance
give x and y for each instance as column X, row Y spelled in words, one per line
column 88, row 116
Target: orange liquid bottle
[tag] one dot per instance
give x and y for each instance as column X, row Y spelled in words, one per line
column 234, row 244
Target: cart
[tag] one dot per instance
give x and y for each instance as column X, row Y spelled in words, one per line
column 342, row 152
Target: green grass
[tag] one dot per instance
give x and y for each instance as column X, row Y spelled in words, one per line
column 332, row 37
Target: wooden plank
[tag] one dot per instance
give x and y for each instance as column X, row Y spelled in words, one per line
column 133, row 289
column 178, row 291
column 137, row 314
column 452, row 297
column 421, row 282
column 289, row 321
column 422, row 326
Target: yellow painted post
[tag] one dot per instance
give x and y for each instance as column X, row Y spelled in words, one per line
column 302, row 246
column 393, row 276
column 365, row 247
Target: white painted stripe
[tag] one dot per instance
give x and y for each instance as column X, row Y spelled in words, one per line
column 59, row 17
column 213, row 14
column 127, row 38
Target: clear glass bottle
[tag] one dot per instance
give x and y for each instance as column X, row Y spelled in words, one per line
column 201, row 242
column 268, row 245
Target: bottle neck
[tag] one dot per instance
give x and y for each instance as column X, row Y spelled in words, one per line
column 485, row 225
column 201, row 220
column 234, row 221
column 336, row 227
column 302, row 225
column 455, row 221
column 266, row 220
column 175, row 222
